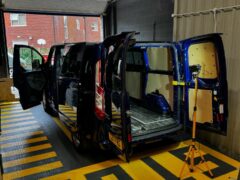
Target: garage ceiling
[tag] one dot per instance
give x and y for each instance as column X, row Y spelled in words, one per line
column 82, row 7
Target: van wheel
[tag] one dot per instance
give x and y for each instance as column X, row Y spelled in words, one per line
column 80, row 144
column 46, row 106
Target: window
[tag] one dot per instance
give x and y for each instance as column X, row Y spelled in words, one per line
column 134, row 57
column 18, row 19
column 21, row 42
column 30, row 60
column 94, row 26
column 77, row 24
column 65, row 27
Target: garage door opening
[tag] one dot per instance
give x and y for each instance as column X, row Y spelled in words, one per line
column 43, row 31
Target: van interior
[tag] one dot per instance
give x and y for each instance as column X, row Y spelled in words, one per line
column 150, row 90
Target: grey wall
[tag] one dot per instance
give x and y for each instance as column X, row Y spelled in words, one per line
column 228, row 23
column 144, row 16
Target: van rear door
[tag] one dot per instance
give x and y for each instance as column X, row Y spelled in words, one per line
column 116, row 98
column 207, row 54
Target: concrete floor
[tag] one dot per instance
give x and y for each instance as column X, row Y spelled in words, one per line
column 35, row 145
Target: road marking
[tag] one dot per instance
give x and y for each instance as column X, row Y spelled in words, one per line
column 18, row 124
column 17, row 119
column 20, row 129
column 26, row 150
column 34, row 170
column 5, row 138
column 26, row 141
column 27, row 160
column 16, row 115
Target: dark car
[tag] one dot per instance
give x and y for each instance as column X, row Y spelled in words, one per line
column 120, row 93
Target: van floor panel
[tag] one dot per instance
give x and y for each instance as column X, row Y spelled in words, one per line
column 143, row 120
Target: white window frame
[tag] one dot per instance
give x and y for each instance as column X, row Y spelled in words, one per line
column 17, row 25
column 78, row 25
column 19, row 42
column 65, row 24
column 94, row 26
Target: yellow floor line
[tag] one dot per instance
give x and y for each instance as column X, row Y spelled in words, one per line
column 133, row 167
column 17, row 119
column 5, row 138
column 14, row 111
column 26, row 141
column 17, row 115
column 11, row 108
column 27, row 160
column 137, row 169
column 67, row 114
column 63, row 128
column 9, row 103
column 68, row 111
column 26, row 150
column 74, row 114
column 79, row 173
column 18, row 124
column 109, row 177
column 34, row 170
column 20, row 129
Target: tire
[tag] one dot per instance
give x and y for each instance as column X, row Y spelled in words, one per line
column 46, row 106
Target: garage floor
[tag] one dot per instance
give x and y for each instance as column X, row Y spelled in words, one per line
column 35, row 145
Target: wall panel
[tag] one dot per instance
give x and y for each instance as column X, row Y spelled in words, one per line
column 151, row 18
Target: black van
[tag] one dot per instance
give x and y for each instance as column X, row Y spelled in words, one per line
column 120, row 93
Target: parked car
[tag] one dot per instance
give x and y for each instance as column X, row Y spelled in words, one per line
column 120, row 93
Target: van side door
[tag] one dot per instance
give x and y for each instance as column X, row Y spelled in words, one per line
column 28, row 75
column 205, row 56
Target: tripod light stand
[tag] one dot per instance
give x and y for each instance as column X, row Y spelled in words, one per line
column 195, row 69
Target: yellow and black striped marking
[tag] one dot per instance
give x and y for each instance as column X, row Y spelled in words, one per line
column 25, row 148
column 69, row 112
column 35, row 145
column 164, row 163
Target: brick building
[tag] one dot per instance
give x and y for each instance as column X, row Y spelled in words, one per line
column 29, row 28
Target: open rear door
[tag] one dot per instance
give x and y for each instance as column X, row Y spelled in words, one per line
column 116, row 97
column 28, row 76
column 206, row 53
